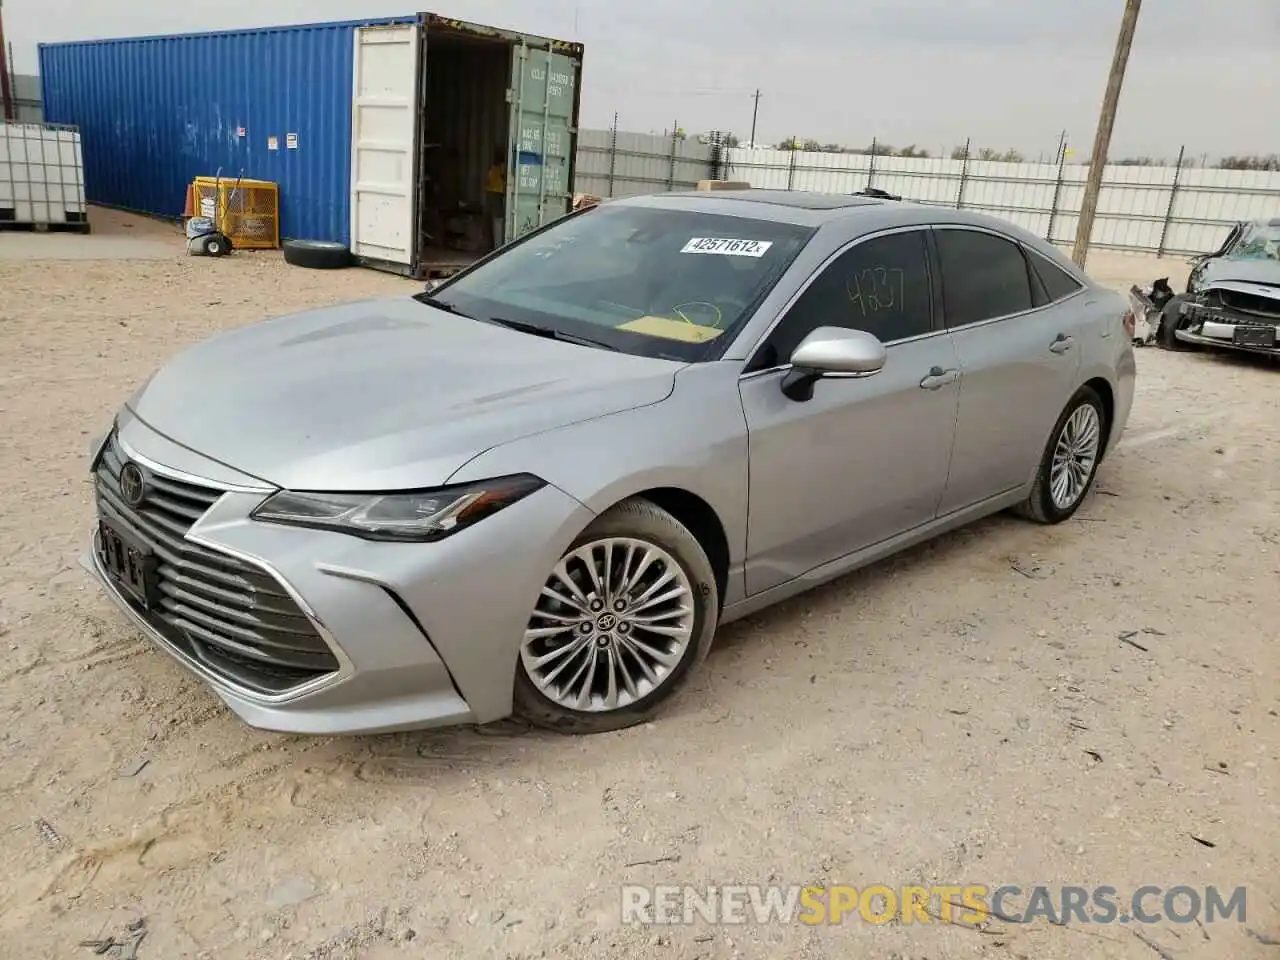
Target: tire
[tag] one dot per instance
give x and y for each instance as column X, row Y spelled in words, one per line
column 316, row 254
column 1040, row 504
column 640, row 524
column 1169, row 320
column 216, row 246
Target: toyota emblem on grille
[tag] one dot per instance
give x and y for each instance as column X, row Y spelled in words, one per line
column 133, row 485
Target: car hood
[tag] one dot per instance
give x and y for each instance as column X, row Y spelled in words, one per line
column 1241, row 271
column 382, row 395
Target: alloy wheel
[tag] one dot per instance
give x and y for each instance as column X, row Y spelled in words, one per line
column 1074, row 456
column 612, row 623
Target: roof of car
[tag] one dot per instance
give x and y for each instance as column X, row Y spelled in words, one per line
column 860, row 212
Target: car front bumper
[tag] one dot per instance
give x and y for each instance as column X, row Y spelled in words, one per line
column 1222, row 334
column 421, row 634
column 1215, row 325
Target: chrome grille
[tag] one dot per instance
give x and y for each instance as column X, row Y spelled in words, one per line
column 227, row 614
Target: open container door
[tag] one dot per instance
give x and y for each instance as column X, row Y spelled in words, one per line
column 544, row 135
column 383, row 138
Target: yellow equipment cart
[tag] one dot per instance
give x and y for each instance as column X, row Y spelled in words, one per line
column 247, row 211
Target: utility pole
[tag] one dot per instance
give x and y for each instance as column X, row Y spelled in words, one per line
column 7, row 108
column 755, row 112
column 1102, row 141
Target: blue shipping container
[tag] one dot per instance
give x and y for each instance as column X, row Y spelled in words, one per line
column 156, row 112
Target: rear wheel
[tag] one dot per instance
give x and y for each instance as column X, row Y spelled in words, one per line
column 621, row 622
column 1070, row 460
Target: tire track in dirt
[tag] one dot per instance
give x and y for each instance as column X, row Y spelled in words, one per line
column 262, row 791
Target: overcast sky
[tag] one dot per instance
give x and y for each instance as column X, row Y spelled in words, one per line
column 1008, row 73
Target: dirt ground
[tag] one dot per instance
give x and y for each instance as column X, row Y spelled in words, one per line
column 964, row 713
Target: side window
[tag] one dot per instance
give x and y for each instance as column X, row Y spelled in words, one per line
column 1056, row 281
column 983, row 276
column 880, row 286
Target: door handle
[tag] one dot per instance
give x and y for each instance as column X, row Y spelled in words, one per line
column 938, row 378
column 1062, row 344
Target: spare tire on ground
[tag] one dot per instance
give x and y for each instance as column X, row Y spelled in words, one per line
column 316, row 254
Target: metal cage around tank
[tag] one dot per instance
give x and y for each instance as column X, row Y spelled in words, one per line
column 247, row 211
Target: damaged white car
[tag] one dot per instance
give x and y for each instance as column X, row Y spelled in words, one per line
column 1232, row 299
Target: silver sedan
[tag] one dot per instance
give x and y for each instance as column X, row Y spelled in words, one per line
column 542, row 486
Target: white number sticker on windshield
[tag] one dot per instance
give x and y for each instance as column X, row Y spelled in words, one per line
column 727, row 247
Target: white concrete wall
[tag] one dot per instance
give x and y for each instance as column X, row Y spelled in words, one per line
column 26, row 95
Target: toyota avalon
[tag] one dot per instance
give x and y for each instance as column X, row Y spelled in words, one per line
column 541, row 487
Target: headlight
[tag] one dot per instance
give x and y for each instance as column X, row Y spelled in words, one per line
column 415, row 516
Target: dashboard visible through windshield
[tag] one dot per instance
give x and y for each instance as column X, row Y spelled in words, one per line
column 649, row 281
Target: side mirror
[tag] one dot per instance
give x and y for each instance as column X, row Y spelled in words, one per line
column 832, row 353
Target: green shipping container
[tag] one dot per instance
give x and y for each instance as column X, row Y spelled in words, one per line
column 436, row 103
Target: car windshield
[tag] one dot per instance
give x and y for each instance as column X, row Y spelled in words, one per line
column 655, row 282
column 1259, row 241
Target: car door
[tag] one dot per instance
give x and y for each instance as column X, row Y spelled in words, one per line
column 1019, row 353
column 863, row 459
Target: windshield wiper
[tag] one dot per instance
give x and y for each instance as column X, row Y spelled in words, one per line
column 550, row 333
column 431, row 301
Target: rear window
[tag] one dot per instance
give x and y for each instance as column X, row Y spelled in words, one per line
column 664, row 283
column 1058, row 284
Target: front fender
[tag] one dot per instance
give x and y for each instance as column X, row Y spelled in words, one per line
column 695, row 440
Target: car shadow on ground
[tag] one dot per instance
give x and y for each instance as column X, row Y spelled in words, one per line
column 1237, row 358
column 946, row 549
column 742, row 653
column 420, row 753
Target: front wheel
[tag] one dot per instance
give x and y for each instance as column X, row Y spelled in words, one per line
column 621, row 622
column 1070, row 460
column 1170, row 320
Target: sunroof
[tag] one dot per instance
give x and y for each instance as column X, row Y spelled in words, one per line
column 801, row 199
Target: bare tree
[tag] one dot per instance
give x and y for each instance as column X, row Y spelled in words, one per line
column 987, row 153
column 1269, row 162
